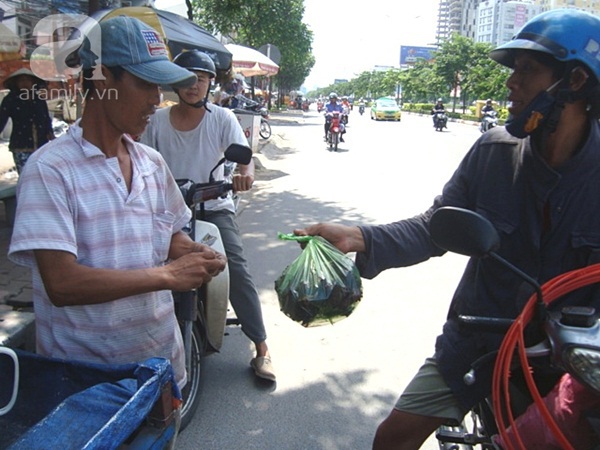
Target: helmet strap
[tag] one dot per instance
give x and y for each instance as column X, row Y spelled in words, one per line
column 563, row 96
column 199, row 104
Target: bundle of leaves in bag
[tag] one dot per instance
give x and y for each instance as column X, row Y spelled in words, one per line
column 321, row 286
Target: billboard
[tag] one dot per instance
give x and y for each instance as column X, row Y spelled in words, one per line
column 409, row 55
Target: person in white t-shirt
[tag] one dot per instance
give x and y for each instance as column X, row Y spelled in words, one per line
column 100, row 217
column 192, row 136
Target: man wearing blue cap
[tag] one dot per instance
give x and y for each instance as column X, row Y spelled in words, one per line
column 99, row 216
column 537, row 181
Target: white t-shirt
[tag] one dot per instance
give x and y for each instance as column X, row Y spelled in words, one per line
column 192, row 154
column 73, row 198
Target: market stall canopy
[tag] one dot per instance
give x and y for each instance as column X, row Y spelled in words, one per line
column 250, row 62
column 179, row 32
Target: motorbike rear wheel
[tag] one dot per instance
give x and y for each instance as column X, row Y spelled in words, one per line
column 192, row 390
column 265, row 129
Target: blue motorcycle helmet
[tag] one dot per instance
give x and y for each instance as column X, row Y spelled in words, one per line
column 565, row 34
column 568, row 36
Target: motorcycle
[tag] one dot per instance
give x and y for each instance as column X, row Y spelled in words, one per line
column 361, row 109
column 320, row 106
column 488, row 121
column 345, row 115
column 440, row 119
column 202, row 312
column 250, row 105
column 569, row 347
column 334, row 129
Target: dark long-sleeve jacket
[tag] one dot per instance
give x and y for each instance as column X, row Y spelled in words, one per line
column 549, row 223
column 31, row 123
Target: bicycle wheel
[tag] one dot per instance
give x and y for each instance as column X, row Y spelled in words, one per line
column 265, row 129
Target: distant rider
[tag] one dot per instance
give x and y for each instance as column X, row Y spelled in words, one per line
column 437, row 108
column 488, row 107
column 330, row 107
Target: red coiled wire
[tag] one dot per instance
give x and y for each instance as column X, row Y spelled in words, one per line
column 514, row 339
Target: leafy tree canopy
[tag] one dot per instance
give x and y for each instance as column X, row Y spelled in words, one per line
column 255, row 23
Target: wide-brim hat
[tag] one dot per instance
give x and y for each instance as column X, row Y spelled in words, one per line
column 10, row 81
column 138, row 48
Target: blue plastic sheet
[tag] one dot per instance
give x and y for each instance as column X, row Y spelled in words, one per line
column 74, row 405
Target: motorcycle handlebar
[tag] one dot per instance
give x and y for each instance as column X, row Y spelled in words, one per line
column 199, row 193
column 211, row 191
column 488, row 324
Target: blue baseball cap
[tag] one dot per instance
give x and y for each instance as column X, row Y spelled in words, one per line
column 139, row 49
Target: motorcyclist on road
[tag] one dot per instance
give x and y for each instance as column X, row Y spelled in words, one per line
column 330, row 107
column 488, row 107
column 437, row 108
column 347, row 107
column 487, row 111
column 345, row 102
column 361, row 106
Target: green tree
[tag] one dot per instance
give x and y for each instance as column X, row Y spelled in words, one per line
column 459, row 62
column 258, row 22
column 486, row 77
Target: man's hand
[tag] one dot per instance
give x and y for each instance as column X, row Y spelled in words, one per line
column 194, row 269
column 343, row 237
column 242, row 182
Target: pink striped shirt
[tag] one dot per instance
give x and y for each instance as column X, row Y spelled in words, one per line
column 72, row 198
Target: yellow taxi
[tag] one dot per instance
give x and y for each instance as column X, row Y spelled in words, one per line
column 385, row 108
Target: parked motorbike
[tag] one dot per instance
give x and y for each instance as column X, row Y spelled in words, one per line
column 570, row 344
column 488, row 121
column 202, row 312
column 248, row 104
column 440, row 120
column 334, row 129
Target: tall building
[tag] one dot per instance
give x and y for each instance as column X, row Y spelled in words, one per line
column 443, row 24
column 499, row 20
column 456, row 16
column 496, row 21
column 592, row 6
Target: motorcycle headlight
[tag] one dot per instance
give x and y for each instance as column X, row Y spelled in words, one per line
column 584, row 364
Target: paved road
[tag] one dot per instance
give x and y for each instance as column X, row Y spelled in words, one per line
column 335, row 383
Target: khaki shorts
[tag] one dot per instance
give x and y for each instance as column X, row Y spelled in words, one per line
column 428, row 395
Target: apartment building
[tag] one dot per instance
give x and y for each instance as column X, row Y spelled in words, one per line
column 496, row 21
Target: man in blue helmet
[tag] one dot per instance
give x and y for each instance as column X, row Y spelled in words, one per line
column 537, row 180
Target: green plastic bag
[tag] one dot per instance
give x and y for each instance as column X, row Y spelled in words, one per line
column 321, row 286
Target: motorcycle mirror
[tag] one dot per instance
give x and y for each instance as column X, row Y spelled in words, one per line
column 238, row 153
column 463, row 231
